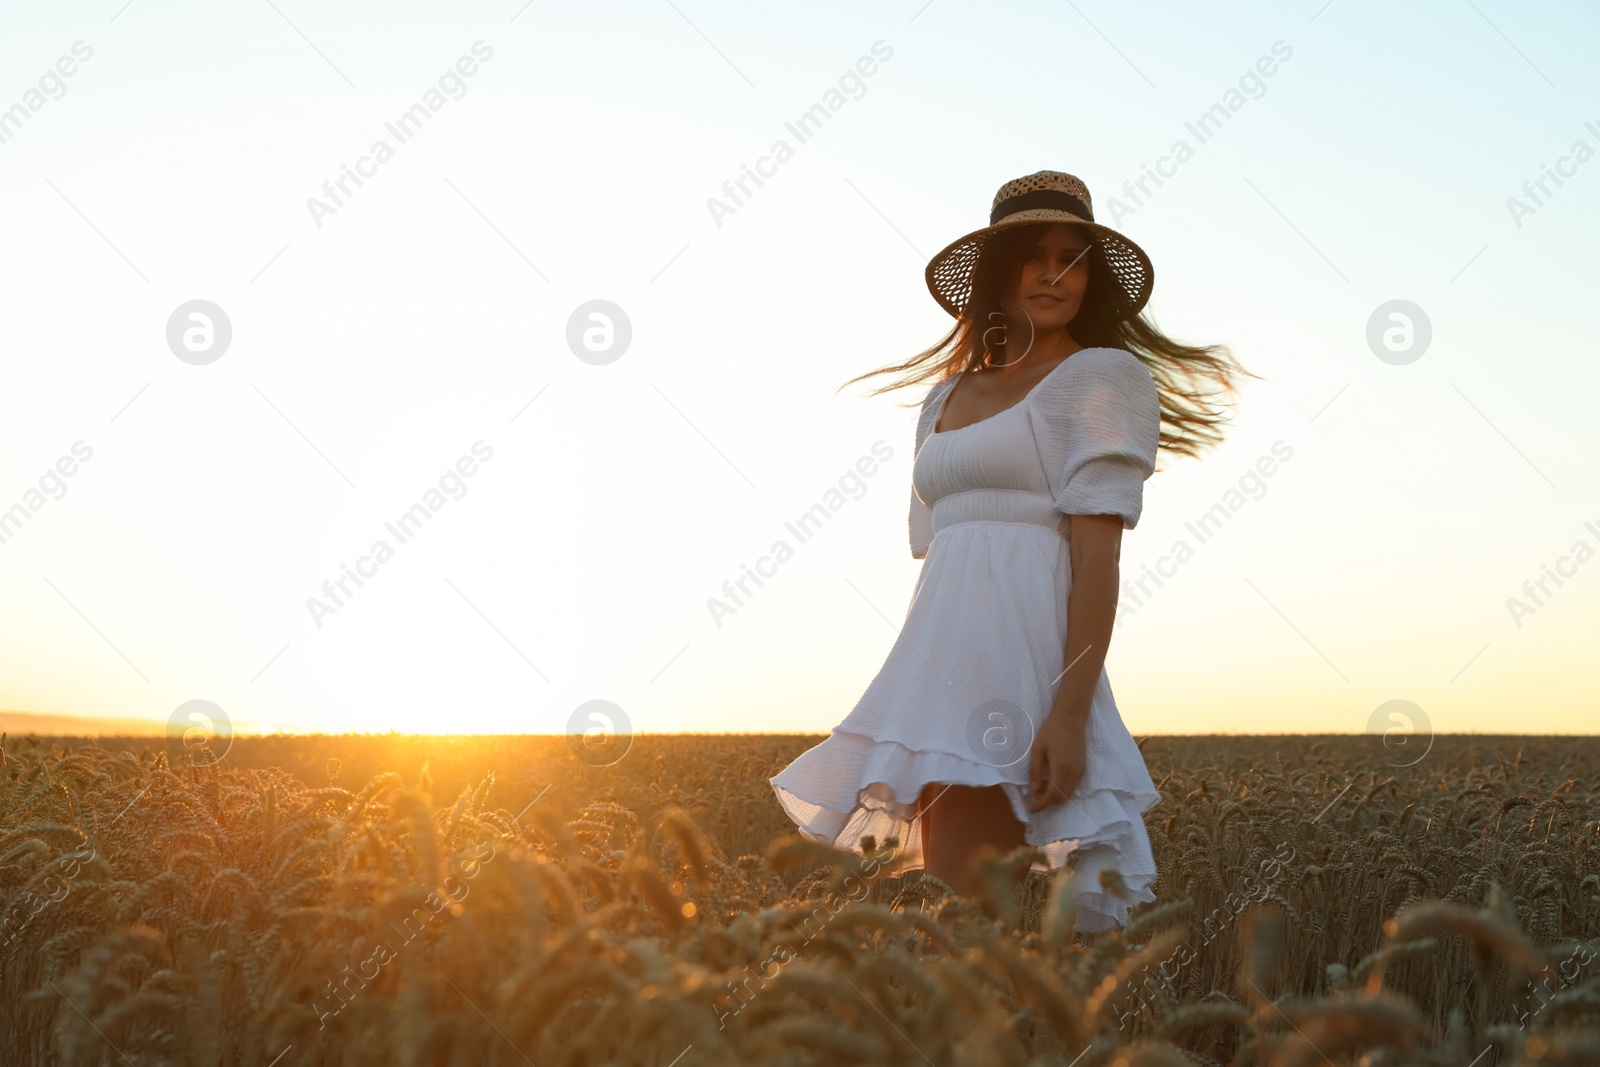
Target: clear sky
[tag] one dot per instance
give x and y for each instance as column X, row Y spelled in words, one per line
column 410, row 334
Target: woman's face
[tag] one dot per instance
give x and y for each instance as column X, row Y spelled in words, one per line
column 1054, row 275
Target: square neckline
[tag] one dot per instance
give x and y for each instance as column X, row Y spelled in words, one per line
column 934, row 430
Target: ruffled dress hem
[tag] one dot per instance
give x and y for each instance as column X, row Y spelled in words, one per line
column 852, row 786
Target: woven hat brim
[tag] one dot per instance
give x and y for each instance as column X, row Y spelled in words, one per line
column 949, row 272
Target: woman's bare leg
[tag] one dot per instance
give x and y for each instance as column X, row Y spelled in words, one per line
column 961, row 822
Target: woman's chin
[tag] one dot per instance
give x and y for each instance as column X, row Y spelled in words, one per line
column 1050, row 321
column 1044, row 316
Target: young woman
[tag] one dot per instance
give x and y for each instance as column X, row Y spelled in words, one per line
column 992, row 724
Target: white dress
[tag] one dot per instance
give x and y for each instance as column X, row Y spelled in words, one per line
column 976, row 666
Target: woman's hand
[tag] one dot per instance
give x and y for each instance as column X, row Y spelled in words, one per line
column 1056, row 764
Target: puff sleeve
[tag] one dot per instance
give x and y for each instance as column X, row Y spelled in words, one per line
column 1098, row 425
column 920, row 518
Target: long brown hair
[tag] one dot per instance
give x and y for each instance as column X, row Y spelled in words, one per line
column 1187, row 377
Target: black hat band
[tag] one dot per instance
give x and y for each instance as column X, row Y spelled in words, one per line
column 1041, row 198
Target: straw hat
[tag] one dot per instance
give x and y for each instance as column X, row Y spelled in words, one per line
column 1046, row 196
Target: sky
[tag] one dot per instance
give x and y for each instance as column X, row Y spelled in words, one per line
column 192, row 487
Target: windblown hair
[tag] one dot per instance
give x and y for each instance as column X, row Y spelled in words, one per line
column 1187, row 377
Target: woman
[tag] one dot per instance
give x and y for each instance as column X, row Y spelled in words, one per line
column 992, row 724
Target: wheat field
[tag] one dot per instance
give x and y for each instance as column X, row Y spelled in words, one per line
column 475, row 900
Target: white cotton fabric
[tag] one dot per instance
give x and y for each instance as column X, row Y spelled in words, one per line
column 977, row 664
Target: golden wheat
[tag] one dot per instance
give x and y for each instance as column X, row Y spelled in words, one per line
column 499, row 901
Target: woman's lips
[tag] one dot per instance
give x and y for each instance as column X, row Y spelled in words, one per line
column 1045, row 299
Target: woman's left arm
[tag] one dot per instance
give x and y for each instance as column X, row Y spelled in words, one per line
column 1058, row 757
column 1098, row 438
